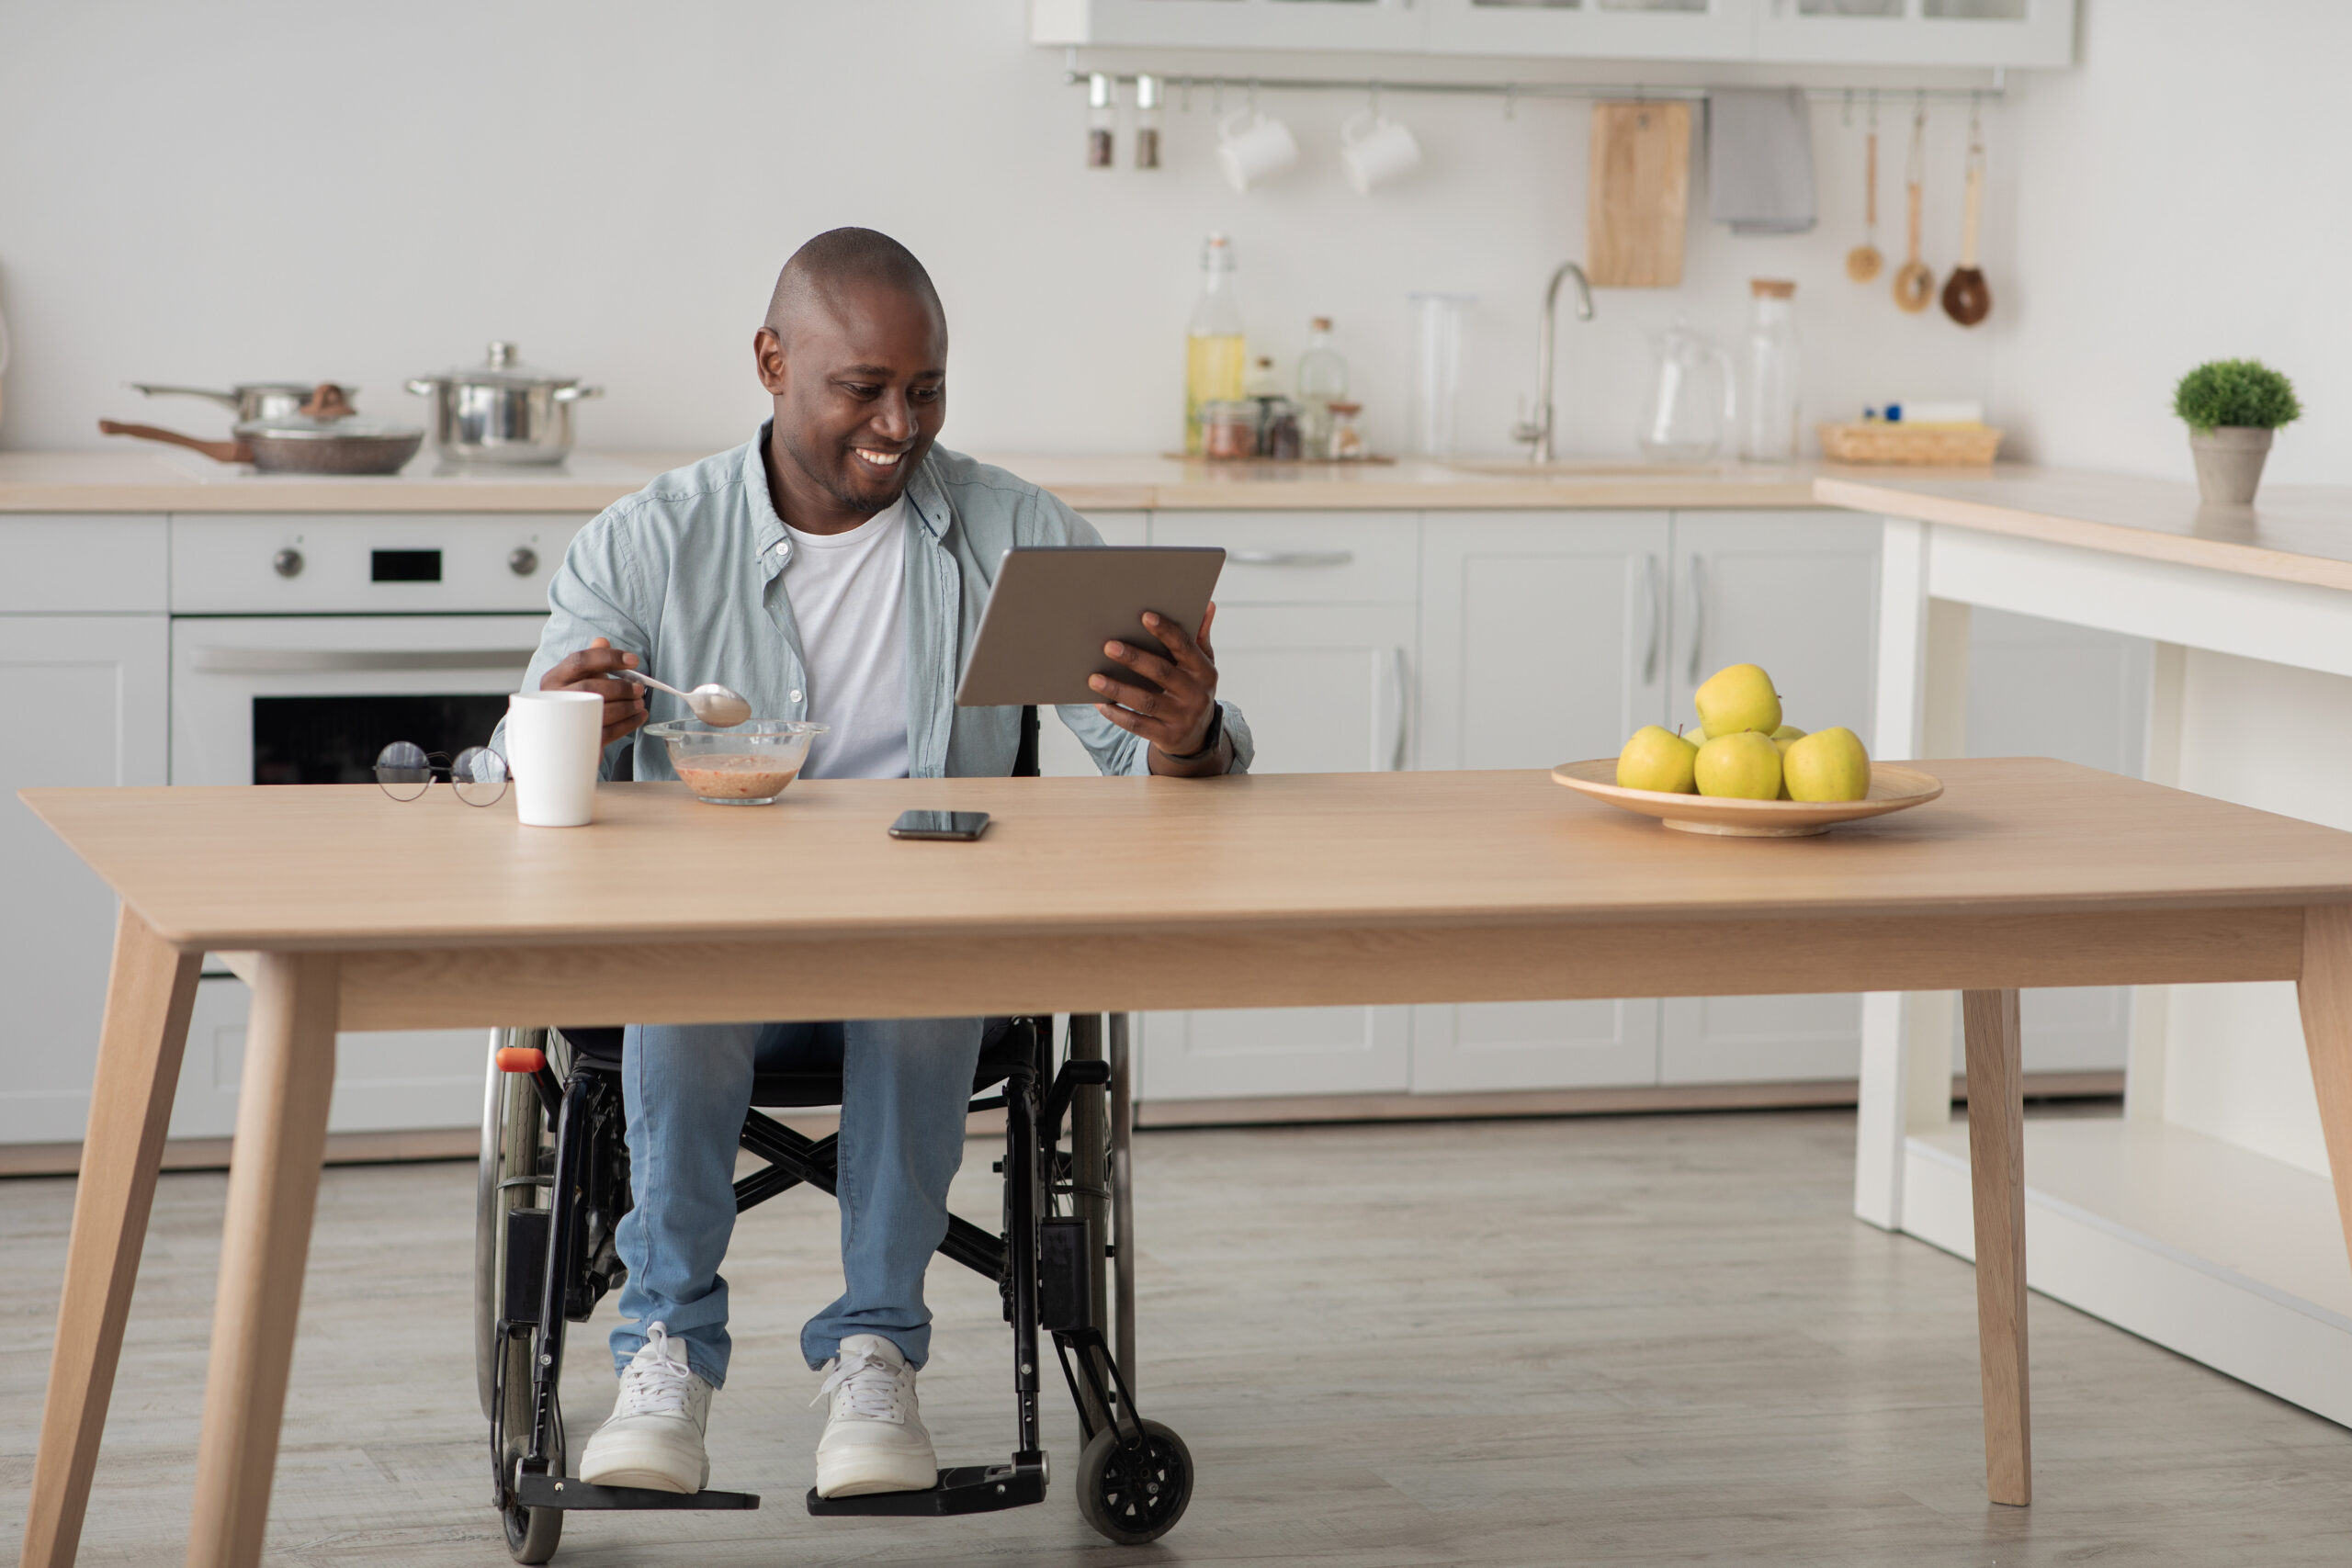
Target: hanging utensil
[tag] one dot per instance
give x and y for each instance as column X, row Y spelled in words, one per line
column 1915, row 285
column 1968, row 298
column 1863, row 262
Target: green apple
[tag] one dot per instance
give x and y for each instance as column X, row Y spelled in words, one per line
column 1828, row 764
column 1743, row 765
column 1788, row 732
column 1657, row 759
column 1737, row 697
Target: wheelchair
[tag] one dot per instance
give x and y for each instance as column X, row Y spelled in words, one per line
column 555, row 1183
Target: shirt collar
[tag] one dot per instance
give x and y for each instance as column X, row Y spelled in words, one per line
column 926, row 497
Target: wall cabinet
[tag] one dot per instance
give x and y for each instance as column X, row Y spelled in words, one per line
column 97, row 684
column 1974, row 33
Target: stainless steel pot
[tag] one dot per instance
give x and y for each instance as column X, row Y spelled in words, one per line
column 501, row 411
column 251, row 399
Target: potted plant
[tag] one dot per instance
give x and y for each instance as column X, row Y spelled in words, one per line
column 2233, row 407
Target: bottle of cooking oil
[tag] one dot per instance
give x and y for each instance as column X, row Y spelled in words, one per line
column 1215, row 364
column 1322, row 381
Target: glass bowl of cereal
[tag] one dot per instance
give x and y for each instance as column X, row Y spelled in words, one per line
column 748, row 764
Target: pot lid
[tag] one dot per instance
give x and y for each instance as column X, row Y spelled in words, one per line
column 328, row 414
column 502, row 365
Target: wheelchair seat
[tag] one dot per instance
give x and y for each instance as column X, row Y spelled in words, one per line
column 1003, row 1049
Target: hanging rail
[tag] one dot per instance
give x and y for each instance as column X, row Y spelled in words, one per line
column 1515, row 91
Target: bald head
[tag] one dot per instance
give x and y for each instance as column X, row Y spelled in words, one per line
column 842, row 261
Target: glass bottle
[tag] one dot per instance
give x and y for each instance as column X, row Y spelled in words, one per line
column 1322, row 381
column 1214, row 360
column 1767, row 424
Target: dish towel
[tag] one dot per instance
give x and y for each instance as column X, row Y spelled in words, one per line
column 1759, row 161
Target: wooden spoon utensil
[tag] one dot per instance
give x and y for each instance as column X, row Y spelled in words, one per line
column 1915, row 285
column 1863, row 262
column 1968, row 298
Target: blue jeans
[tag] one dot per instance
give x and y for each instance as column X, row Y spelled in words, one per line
column 905, row 1083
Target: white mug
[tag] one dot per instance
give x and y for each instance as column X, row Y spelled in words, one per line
column 1374, row 149
column 1252, row 148
column 554, row 741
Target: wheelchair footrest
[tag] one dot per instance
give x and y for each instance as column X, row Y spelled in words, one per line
column 569, row 1491
column 966, row 1489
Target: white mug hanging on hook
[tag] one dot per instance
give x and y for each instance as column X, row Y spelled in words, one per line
column 1374, row 149
column 1252, row 148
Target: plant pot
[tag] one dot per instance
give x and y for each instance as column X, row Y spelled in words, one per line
column 2229, row 463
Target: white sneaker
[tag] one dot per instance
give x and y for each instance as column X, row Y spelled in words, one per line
column 874, row 1440
column 653, row 1438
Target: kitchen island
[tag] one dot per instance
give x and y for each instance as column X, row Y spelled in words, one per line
column 2204, row 1219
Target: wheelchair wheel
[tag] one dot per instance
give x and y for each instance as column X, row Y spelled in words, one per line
column 512, row 1161
column 1135, row 1497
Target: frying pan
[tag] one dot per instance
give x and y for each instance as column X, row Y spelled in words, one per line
column 326, row 437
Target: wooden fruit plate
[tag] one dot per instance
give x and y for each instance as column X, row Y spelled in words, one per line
column 1892, row 789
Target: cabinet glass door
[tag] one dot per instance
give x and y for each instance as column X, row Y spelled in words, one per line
column 1623, row 30
column 1231, row 24
column 1918, row 32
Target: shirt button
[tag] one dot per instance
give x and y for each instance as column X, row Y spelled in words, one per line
column 796, row 696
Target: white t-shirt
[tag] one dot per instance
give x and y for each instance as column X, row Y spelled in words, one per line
column 848, row 597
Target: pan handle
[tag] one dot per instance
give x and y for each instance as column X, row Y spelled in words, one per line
column 574, row 393
column 219, row 451
column 226, row 399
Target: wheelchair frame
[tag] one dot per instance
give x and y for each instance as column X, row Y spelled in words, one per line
column 554, row 1185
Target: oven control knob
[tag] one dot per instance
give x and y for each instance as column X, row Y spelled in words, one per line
column 524, row 562
column 288, row 563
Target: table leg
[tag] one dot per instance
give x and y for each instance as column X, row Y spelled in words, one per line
column 265, row 1241
column 1996, row 1175
column 2324, row 993
column 148, row 997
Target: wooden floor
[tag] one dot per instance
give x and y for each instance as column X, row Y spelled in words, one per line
column 1637, row 1340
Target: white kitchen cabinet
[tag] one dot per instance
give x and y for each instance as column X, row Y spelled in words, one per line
column 90, row 693
column 1594, row 30
column 1796, row 593
column 1387, row 24
column 1328, row 687
column 1917, row 32
column 1545, row 638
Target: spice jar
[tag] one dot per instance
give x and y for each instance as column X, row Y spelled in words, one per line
column 1347, row 441
column 1229, row 428
column 1146, row 122
column 1282, row 431
column 1101, row 118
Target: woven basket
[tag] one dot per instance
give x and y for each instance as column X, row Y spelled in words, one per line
column 1923, row 445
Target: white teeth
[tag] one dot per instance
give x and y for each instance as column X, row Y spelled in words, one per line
column 880, row 459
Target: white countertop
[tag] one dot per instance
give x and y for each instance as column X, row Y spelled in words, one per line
column 133, row 479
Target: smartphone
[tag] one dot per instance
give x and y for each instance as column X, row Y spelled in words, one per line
column 960, row 826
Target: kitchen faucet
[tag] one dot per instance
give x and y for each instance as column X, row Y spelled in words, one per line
column 1538, row 430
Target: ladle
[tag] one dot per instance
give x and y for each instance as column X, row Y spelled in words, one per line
column 1968, row 298
column 1862, row 262
column 713, row 703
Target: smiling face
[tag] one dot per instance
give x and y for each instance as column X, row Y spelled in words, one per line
column 858, row 372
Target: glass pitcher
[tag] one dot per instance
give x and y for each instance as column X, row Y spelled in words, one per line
column 1687, row 419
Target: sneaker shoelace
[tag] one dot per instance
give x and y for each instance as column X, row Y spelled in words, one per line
column 654, row 1384
column 870, row 1387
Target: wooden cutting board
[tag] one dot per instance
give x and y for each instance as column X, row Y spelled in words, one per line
column 1638, row 195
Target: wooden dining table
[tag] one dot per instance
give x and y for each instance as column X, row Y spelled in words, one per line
column 349, row 910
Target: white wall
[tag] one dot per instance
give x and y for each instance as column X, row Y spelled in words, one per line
column 2178, row 197
column 258, row 189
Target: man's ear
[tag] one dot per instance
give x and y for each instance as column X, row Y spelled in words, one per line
column 767, row 360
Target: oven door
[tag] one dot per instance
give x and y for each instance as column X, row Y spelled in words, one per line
column 311, row 699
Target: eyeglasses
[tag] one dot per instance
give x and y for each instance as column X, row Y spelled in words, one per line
column 407, row 770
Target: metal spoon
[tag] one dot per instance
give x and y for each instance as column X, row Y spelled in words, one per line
column 713, row 703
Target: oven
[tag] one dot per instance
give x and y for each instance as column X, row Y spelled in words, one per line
column 300, row 646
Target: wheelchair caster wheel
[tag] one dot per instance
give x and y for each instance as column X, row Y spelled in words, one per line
column 531, row 1533
column 1136, row 1496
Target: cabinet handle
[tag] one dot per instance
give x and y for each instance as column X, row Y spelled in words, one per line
column 1698, row 612
column 1404, row 686
column 1657, row 621
column 1289, row 558
column 372, row 661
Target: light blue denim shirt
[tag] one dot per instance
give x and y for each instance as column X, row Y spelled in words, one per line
column 688, row 573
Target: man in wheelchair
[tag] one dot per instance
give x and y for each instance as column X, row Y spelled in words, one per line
column 833, row 569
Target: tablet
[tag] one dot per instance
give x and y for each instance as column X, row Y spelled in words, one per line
column 1055, row 607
